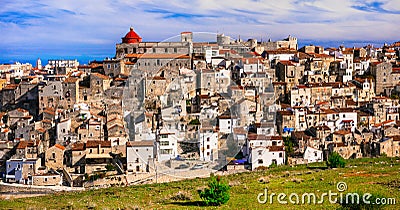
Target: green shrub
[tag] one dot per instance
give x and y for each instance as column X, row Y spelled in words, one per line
column 336, row 161
column 110, row 167
column 273, row 165
column 217, row 192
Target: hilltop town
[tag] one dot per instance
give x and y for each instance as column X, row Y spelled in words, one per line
column 187, row 108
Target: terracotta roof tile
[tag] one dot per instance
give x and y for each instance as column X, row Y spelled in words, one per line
column 59, row 146
column 71, row 80
column 139, row 143
column 78, row 146
column 96, row 143
column 101, row 76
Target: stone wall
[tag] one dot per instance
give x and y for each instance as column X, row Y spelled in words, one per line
column 51, row 180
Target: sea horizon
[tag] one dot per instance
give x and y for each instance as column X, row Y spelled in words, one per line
column 85, row 55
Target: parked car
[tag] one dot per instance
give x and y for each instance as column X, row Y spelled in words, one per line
column 197, row 166
column 182, row 166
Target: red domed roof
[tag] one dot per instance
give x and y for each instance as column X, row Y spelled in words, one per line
column 131, row 37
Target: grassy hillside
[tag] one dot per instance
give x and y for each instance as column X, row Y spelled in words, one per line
column 362, row 175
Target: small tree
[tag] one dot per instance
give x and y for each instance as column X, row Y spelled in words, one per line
column 336, row 161
column 217, row 192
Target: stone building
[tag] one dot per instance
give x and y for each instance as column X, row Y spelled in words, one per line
column 155, row 86
column 156, row 58
column 114, row 67
column 289, row 72
column 55, row 157
column 23, row 95
column 48, row 179
column 206, row 81
column 285, row 121
column 50, row 95
column 70, row 92
column 99, row 83
column 288, row 43
column 97, row 156
column 365, row 90
column 139, row 47
column 78, row 157
column 390, row 146
column 385, row 80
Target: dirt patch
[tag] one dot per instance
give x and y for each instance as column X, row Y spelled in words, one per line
column 363, row 174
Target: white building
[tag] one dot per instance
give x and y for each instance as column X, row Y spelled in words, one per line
column 168, row 146
column 347, row 119
column 140, row 156
column 63, row 128
column 312, row 155
column 227, row 123
column 208, row 143
column 62, row 63
column 265, row 150
column 223, row 80
column 300, row 96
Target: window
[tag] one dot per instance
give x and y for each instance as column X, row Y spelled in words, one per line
column 280, row 154
column 45, row 179
column 54, row 155
column 260, row 152
column 260, row 161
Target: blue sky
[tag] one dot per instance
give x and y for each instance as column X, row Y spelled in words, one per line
column 90, row 28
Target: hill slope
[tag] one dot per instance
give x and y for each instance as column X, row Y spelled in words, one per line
column 378, row 175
